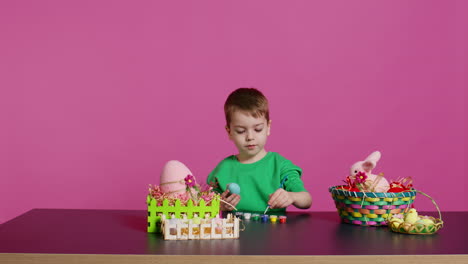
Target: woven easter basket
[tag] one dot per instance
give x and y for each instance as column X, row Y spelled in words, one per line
column 419, row 228
column 370, row 208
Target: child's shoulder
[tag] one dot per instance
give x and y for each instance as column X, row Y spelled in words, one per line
column 227, row 161
column 281, row 160
column 223, row 165
column 270, row 157
column 277, row 156
column 229, row 158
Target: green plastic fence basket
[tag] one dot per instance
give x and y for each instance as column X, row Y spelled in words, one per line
column 155, row 212
column 370, row 208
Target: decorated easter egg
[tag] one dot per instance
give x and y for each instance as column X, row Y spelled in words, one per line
column 172, row 180
column 234, row 188
column 398, row 216
column 425, row 221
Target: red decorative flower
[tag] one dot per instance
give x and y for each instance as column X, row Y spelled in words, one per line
column 361, row 177
column 190, row 181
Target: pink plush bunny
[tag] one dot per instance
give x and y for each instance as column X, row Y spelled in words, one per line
column 374, row 183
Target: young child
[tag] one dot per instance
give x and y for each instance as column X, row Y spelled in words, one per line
column 265, row 178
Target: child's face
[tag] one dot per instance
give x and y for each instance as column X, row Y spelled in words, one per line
column 248, row 133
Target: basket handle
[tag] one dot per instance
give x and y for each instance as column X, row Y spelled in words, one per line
column 438, row 210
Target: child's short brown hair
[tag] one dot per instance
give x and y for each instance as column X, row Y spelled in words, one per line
column 249, row 100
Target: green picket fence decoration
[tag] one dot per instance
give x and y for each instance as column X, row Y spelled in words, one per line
column 155, row 212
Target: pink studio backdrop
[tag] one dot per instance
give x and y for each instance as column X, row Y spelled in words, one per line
column 97, row 95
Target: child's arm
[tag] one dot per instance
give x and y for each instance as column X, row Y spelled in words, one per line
column 302, row 200
column 281, row 199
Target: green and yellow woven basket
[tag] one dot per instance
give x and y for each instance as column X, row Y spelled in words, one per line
column 370, row 208
column 419, row 228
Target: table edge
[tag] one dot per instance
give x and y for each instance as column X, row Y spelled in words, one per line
column 216, row 259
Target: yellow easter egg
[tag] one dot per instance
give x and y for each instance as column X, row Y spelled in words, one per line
column 426, row 221
column 419, row 222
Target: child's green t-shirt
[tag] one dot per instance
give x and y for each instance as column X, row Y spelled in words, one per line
column 257, row 180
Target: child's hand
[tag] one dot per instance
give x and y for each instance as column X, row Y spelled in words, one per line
column 231, row 198
column 280, row 199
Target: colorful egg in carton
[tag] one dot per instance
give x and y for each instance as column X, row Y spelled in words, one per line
column 197, row 228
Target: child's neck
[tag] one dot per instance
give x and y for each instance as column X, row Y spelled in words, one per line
column 251, row 159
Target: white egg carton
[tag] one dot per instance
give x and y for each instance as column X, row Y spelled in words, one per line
column 214, row 228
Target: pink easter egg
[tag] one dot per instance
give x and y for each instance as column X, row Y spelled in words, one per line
column 172, row 177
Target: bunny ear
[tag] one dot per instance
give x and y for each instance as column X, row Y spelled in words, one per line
column 368, row 165
column 374, row 157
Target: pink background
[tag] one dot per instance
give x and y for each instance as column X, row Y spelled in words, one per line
column 97, row 95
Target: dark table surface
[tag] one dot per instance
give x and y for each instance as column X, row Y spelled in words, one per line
column 70, row 231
